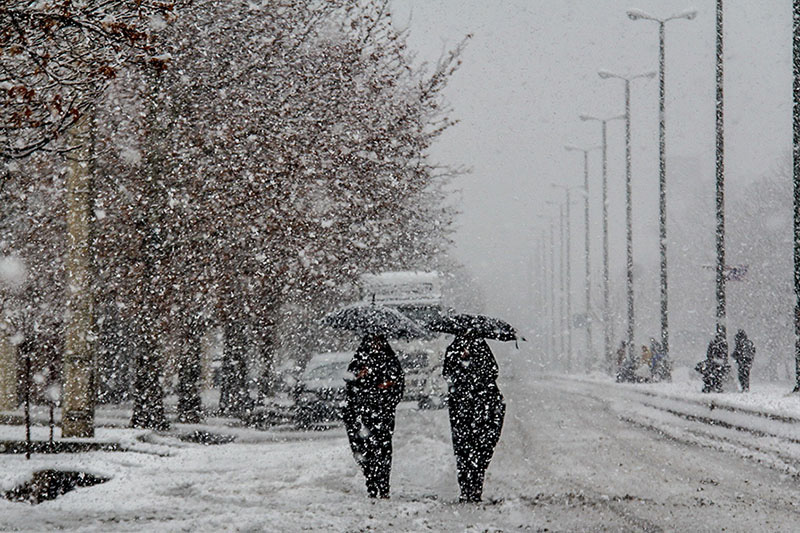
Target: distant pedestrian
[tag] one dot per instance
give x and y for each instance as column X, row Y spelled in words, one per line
column 743, row 353
column 625, row 366
column 659, row 367
column 647, row 356
column 715, row 369
column 476, row 410
column 372, row 395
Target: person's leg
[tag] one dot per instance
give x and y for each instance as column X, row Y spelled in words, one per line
column 463, row 472
column 354, row 427
column 370, row 451
column 383, row 436
column 746, row 376
column 459, row 431
column 372, row 475
column 477, row 484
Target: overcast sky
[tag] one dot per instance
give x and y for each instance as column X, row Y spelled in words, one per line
column 531, row 69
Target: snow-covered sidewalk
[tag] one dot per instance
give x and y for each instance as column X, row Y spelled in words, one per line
column 264, row 481
column 761, row 425
column 576, row 454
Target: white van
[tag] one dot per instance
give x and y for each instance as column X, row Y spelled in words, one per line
column 418, row 295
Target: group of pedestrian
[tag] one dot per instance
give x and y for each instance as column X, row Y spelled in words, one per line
column 715, row 368
column 652, row 364
column 476, row 409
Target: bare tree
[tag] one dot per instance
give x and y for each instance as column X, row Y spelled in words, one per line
column 57, row 59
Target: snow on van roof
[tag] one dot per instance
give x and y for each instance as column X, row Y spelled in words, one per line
column 402, row 276
column 402, row 287
column 321, row 359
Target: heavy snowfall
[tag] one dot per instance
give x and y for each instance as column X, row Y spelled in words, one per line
column 386, row 265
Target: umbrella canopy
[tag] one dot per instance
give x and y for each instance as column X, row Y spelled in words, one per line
column 478, row 325
column 374, row 319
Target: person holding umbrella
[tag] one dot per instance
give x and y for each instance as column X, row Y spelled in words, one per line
column 373, row 389
column 372, row 395
column 476, row 406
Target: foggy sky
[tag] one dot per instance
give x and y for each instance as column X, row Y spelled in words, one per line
column 530, row 70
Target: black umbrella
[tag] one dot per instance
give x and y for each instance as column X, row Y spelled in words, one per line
column 478, row 325
column 374, row 319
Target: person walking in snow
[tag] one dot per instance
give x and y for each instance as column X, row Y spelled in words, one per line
column 625, row 365
column 743, row 353
column 660, row 367
column 647, row 356
column 477, row 410
column 372, row 393
column 715, row 368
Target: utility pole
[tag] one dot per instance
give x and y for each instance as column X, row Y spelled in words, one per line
column 796, row 176
column 553, row 287
column 662, row 162
column 568, row 268
column 561, row 328
column 586, row 256
column 606, row 291
column 628, row 200
column 720, row 196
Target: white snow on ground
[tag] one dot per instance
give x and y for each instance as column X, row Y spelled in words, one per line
column 577, row 454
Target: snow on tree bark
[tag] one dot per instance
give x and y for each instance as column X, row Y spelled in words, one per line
column 78, row 357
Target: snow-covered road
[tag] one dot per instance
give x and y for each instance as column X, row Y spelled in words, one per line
column 574, row 456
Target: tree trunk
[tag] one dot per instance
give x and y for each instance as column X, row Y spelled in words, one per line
column 266, row 379
column 148, row 407
column 148, row 401
column 8, row 374
column 78, row 358
column 189, row 373
column 234, row 396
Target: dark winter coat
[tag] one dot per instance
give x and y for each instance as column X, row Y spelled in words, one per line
column 476, row 410
column 660, row 365
column 715, row 368
column 372, row 394
column 743, row 353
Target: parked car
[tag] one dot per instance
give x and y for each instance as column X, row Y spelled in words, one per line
column 320, row 390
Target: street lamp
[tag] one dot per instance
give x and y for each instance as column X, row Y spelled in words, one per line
column 585, row 152
column 628, row 203
column 548, row 287
column 567, row 270
column 796, row 183
column 606, row 308
column 720, row 192
column 561, row 326
column 634, row 14
column 553, row 288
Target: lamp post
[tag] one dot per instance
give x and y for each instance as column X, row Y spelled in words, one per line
column 628, row 204
column 553, row 287
column 568, row 273
column 662, row 164
column 548, row 289
column 606, row 308
column 543, row 287
column 720, row 195
column 561, row 326
column 585, row 152
column 538, row 287
column 796, row 179
column 553, row 313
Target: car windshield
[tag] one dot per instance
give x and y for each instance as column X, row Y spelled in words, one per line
column 326, row 371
